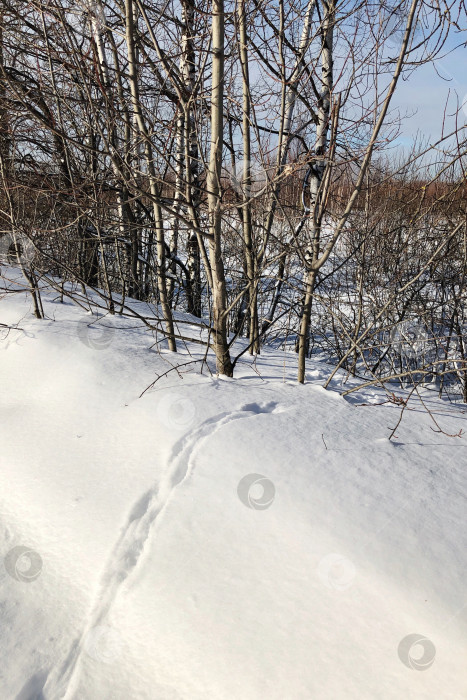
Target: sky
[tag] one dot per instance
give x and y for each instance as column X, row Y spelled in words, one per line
column 424, row 95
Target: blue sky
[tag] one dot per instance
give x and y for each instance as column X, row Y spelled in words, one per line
column 425, row 93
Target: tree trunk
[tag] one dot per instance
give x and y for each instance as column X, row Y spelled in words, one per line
column 158, row 221
column 219, row 295
column 316, row 181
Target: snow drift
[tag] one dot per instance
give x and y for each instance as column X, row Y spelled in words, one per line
column 218, row 539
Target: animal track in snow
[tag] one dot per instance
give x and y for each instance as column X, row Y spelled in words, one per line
column 135, row 534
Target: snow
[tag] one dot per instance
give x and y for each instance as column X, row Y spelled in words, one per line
column 218, row 539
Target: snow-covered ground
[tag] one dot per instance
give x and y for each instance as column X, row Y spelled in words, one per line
column 219, row 539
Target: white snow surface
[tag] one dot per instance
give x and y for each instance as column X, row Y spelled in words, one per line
column 141, row 561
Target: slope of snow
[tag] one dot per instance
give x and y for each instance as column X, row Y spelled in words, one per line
column 218, row 539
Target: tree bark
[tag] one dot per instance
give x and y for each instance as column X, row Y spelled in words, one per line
column 219, row 294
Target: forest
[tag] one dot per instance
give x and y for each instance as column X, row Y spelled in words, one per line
column 240, row 162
